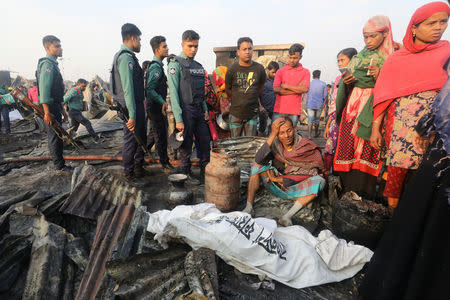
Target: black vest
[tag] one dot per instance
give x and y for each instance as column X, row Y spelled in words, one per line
column 192, row 83
column 161, row 88
column 57, row 90
column 138, row 80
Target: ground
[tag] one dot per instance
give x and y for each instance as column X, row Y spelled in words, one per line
column 19, row 177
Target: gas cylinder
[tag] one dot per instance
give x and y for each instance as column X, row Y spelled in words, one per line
column 222, row 180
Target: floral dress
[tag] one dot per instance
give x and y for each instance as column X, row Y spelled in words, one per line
column 408, row 110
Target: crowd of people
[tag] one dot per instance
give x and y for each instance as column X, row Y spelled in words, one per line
column 384, row 121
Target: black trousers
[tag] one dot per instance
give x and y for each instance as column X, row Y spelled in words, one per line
column 77, row 118
column 194, row 125
column 55, row 144
column 132, row 153
column 4, row 109
column 157, row 131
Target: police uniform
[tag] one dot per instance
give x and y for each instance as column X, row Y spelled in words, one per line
column 186, row 80
column 74, row 100
column 156, row 93
column 4, row 111
column 128, row 89
column 51, row 92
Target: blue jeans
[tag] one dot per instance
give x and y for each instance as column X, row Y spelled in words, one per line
column 294, row 118
column 314, row 116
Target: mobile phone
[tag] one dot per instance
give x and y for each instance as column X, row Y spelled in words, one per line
column 373, row 62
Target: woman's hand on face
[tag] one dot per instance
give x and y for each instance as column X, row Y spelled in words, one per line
column 373, row 71
column 276, row 126
column 376, row 139
column 349, row 79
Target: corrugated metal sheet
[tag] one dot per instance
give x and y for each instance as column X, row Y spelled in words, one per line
column 244, row 147
column 112, row 228
column 150, row 276
column 94, row 191
column 45, row 274
column 120, row 232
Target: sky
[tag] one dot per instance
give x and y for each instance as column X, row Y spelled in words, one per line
column 90, row 30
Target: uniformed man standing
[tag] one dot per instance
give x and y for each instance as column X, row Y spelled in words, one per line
column 73, row 102
column 127, row 82
column 51, row 92
column 186, row 79
column 156, row 106
column 4, row 110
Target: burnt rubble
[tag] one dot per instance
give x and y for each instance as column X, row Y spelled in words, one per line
column 83, row 235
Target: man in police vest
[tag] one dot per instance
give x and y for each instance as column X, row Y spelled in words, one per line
column 127, row 82
column 4, row 110
column 156, row 106
column 73, row 102
column 51, row 93
column 186, row 79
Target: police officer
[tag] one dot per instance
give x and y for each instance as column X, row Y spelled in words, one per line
column 73, row 102
column 186, row 79
column 127, row 82
column 4, row 110
column 156, row 106
column 51, row 92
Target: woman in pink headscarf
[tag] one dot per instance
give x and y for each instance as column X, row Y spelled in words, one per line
column 357, row 162
column 406, row 88
column 412, row 259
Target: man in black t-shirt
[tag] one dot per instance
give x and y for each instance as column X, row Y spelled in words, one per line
column 244, row 82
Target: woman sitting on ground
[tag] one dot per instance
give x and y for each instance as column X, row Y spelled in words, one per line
column 406, row 88
column 289, row 166
column 357, row 162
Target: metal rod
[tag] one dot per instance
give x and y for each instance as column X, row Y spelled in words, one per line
column 85, row 157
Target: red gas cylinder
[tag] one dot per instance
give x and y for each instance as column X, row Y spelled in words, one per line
column 222, row 180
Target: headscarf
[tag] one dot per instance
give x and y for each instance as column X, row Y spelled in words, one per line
column 414, row 68
column 358, row 66
column 219, row 77
column 219, row 81
column 381, row 23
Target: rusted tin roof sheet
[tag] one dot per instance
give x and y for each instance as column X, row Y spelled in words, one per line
column 119, row 234
column 112, row 228
column 94, row 191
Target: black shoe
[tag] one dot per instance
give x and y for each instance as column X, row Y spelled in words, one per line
column 66, row 168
